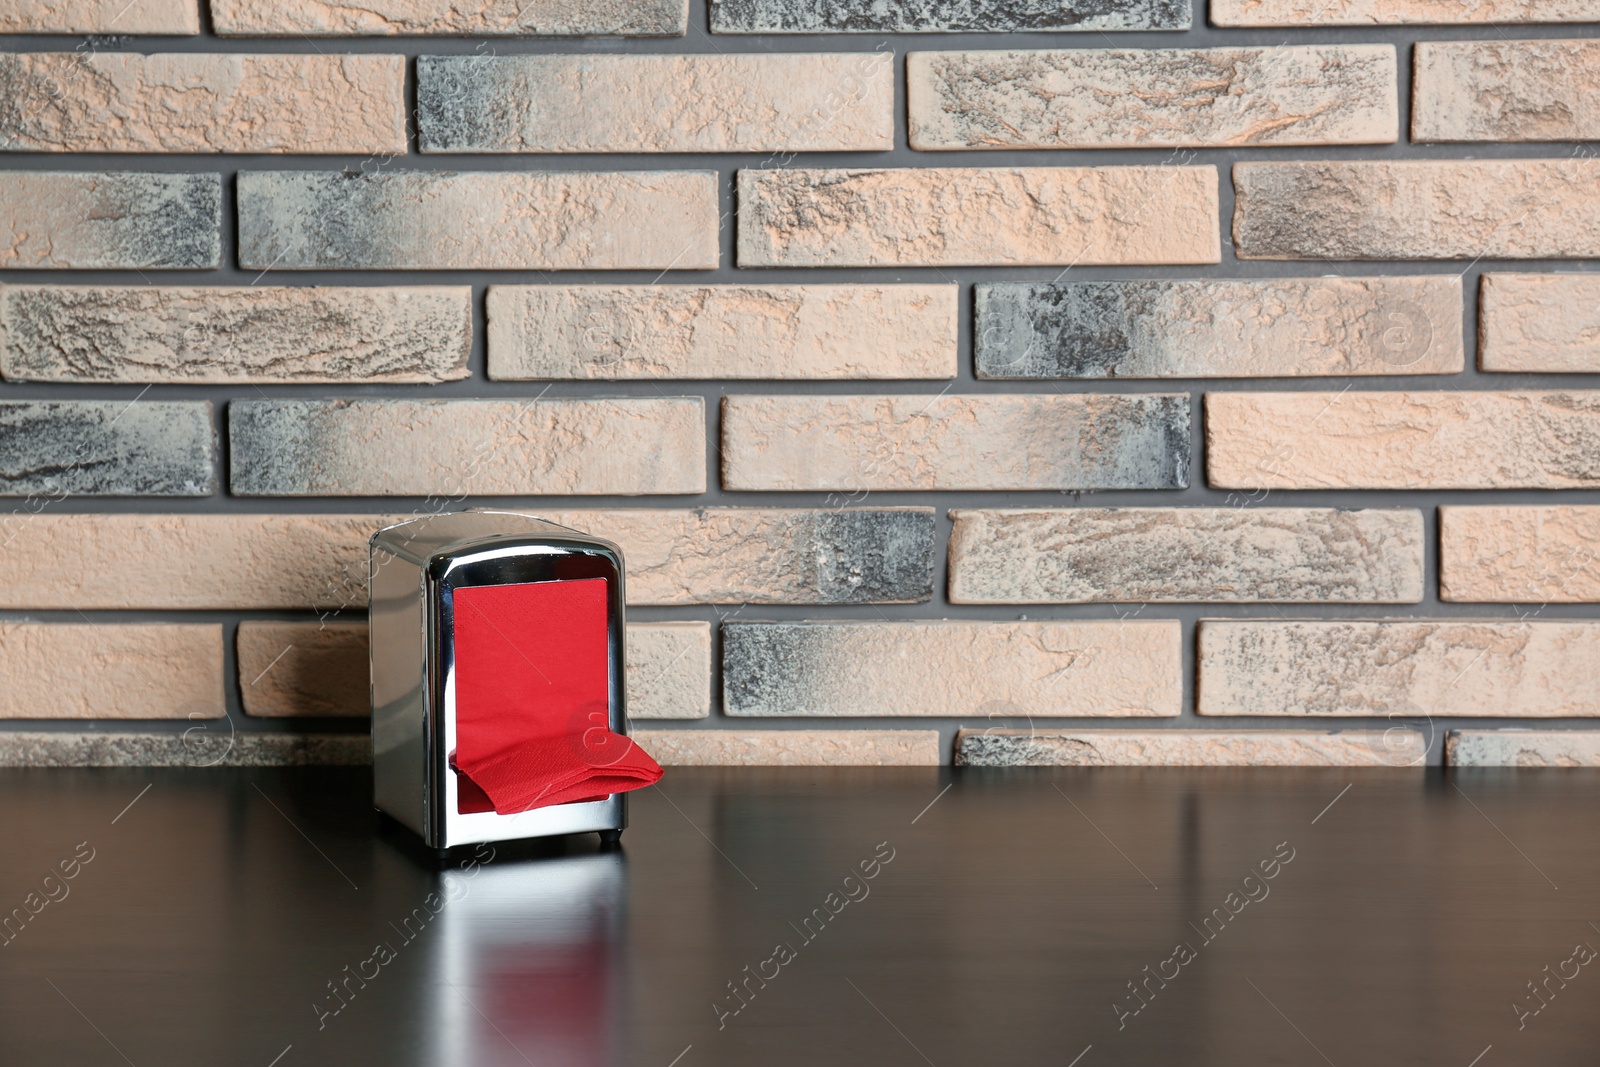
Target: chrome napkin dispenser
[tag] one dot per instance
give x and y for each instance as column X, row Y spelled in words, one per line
column 461, row 606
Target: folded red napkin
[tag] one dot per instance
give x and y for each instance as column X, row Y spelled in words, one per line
column 532, row 689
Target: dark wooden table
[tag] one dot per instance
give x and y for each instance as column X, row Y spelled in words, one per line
column 1013, row 917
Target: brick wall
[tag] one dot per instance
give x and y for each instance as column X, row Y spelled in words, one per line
column 1115, row 380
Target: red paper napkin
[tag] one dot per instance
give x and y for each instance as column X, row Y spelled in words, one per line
column 532, row 692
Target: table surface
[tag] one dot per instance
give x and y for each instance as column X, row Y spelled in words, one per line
column 813, row 916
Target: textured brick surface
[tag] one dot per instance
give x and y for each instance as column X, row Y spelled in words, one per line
column 860, row 443
column 1523, row 748
column 1520, row 555
column 1189, row 748
column 1445, row 668
column 1223, row 555
column 312, row 669
column 110, row 671
column 936, row 16
column 100, row 16
column 722, row 331
column 1539, row 322
column 616, row 103
column 1418, row 209
column 119, row 102
column 477, row 18
column 92, row 333
column 1398, row 12
column 883, row 669
column 1271, row 328
column 1442, row 440
column 202, row 745
column 62, row 448
column 118, row 220
column 1153, row 98
column 792, row 748
column 480, row 447
column 683, row 556
column 1506, row 91
column 946, row 216
column 302, row 220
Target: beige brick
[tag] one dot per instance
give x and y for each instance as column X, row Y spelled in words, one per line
column 1398, row 12
column 244, row 334
column 769, row 102
column 469, row 18
column 722, row 331
column 309, row 668
column 1505, row 91
column 164, row 17
column 1442, row 440
column 469, row 447
column 1415, row 209
column 857, row 444
column 1153, row 98
column 1005, row 216
column 791, row 748
column 1219, row 328
column 1190, row 748
column 1489, row 669
column 1523, row 748
column 1520, row 555
column 510, row 220
column 199, row 746
column 679, row 556
column 110, row 220
column 111, row 671
column 984, row 669
column 1539, row 322
column 1170, row 555
column 122, row 102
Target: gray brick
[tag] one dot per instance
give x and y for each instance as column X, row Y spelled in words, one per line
column 213, row 745
column 1191, row 748
column 1171, row 555
column 946, row 16
column 106, row 448
column 110, row 220
column 1269, row 328
column 1523, row 748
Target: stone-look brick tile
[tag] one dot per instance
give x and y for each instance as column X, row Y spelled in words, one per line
column 1164, row 98
column 460, row 18
column 225, row 334
column 1488, row 668
column 1520, row 555
column 62, row 448
column 770, row 102
column 164, row 17
column 122, row 102
column 629, row 447
column 1505, row 91
column 211, row 747
column 955, row 217
column 1522, row 748
column 321, row 669
column 1170, row 555
column 791, row 748
column 611, row 332
column 890, row 669
column 1190, row 748
column 1398, row 12
column 946, row 16
column 861, row 443
column 308, row 220
column 111, row 671
column 1252, row 328
column 1547, row 323
column 1418, row 209
column 678, row 556
column 110, row 220
column 1441, row 440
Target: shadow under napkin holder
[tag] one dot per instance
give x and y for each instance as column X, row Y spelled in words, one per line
column 416, row 567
